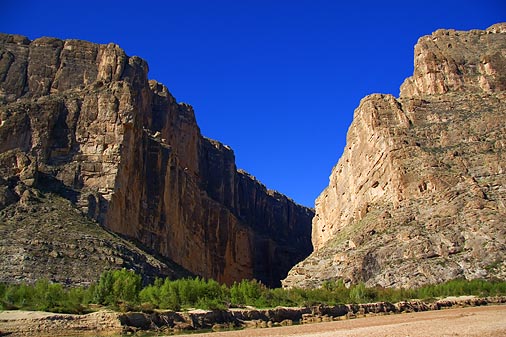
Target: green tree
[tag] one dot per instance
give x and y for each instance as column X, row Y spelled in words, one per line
column 117, row 286
column 169, row 295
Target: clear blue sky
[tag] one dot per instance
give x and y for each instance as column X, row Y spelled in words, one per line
column 278, row 81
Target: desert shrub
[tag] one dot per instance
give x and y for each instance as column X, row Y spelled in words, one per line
column 45, row 296
column 361, row 294
column 121, row 289
column 186, row 293
column 151, row 293
column 48, row 296
column 169, row 295
column 117, row 286
column 393, row 295
column 212, row 295
column 208, row 303
column 250, row 292
column 17, row 296
column 76, row 300
column 462, row 287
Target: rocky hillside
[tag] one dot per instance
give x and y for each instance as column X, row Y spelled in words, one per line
column 83, row 122
column 44, row 235
column 419, row 193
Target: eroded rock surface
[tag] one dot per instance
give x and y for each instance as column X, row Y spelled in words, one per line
column 83, row 121
column 419, row 194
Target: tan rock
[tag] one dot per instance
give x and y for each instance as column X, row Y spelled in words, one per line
column 95, row 130
column 420, row 173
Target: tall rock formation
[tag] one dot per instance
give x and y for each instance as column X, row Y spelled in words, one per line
column 419, row 193
column 83, row 121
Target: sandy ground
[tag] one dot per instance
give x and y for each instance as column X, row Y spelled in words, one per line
column 474, row 321
column 10, row 315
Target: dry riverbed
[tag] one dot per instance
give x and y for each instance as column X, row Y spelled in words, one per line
column 485, row 321
column 463, row 316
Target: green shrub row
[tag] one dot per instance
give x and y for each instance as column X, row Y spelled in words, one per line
column 122, row 290
column 45, row 296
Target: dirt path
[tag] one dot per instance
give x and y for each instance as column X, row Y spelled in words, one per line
column 475, row 321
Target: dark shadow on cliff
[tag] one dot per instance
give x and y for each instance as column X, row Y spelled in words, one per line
column 48, row 184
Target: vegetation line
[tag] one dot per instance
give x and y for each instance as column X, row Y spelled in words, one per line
column 122, row 290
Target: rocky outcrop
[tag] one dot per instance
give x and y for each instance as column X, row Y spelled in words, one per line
column 34, row 323
column 83, row 121
column 418, row 195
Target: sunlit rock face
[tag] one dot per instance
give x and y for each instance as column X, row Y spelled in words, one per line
column 82, row 120
column 419, row 194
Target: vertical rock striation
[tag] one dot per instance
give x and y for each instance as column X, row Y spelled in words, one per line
column 83, row 120
column 418, row 195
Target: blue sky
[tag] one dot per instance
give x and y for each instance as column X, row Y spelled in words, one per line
column 278, row 81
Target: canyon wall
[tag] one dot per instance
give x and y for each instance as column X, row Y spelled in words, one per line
column 419, row 194
column 83, row 121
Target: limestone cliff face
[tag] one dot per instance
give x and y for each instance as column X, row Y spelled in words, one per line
column 418, row 195
column 82, row 120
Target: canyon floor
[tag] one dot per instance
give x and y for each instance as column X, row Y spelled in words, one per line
column 488, row 321
column 483, row 321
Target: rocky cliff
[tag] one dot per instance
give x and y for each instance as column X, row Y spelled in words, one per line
column 419, row 193
column 82, row 121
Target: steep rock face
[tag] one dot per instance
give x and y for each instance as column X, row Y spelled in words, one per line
column 418, row 195
column 82, row 120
